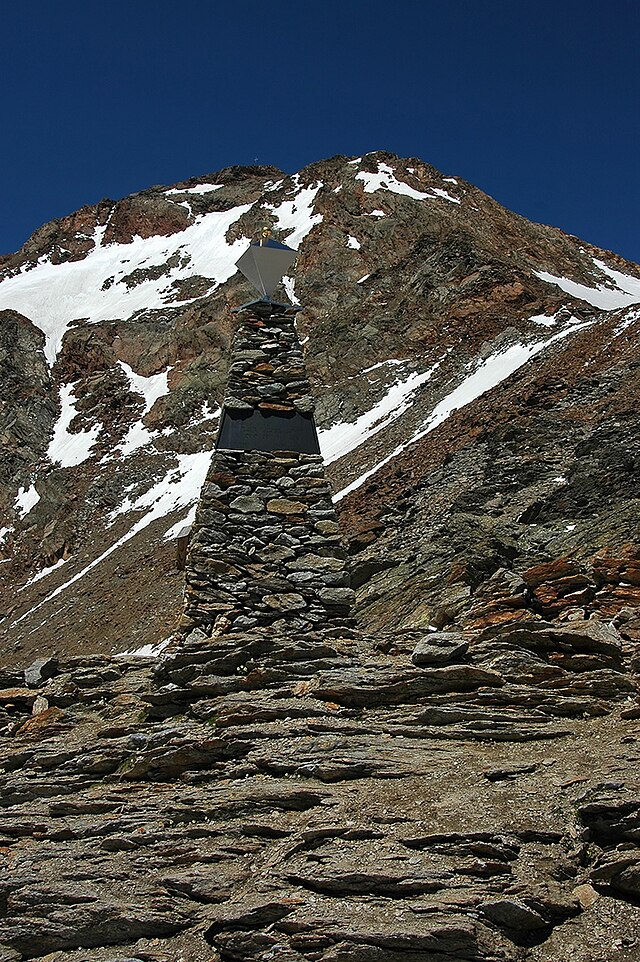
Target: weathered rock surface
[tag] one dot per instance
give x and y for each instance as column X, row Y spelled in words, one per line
column 440, row 648
column 319, row 797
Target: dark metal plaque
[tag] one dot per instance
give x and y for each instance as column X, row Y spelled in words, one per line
column 268, row 431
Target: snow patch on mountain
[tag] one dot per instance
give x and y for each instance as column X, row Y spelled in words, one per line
column 445, row 195
column 289, row 284
column 43, row 573
column 394, row 361
column 95, row 289
column 176, row 528
column 353, row 243
column 385, row 179
column 297, row 215
column 625, row 282
column 146, row 651
column 544, row 320
column 208, row 413
column 178, row 489
column 629, row 318
column 138, row 436
column 150, row 388
column 605, row 298
column 487, row 375
column 338, row 440
column 198, row 189
column 65, row 448
column 26, row 499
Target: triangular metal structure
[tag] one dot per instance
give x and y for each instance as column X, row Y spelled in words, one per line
column 265, row 263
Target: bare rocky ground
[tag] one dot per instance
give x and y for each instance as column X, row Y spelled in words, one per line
column 345, row 796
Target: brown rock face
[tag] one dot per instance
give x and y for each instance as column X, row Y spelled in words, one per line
column 144, row 216
column 66, row 239
column 27, row 408
column 321, row 796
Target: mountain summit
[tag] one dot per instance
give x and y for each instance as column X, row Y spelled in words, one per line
column 422, row 298
column 423, row 785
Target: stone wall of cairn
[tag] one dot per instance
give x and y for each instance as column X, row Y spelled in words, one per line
column 267, row 367
column 265, row 547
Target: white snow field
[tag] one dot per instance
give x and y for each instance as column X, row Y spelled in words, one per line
column 94, row 289
column 68, row 449
column 626, row 291
column 297, row 216
column 53, row 296
column 385, row 179
column 180, row 488
column 631, row 318
column 26, row 499
column 150, row 389
column 147, row 651
column 289, row 284
column 341, row 438
column 198, row 189
column 43, row 573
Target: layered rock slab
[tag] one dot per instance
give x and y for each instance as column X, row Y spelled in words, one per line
column 244, row 798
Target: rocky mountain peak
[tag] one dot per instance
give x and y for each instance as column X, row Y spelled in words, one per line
column 424, row 302
column 453, row 776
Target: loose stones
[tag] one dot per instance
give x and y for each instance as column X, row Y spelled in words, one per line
column 284, row 506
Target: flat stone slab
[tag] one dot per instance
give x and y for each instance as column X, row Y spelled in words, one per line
column 440, row 648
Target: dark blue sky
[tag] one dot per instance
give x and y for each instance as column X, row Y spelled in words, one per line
column 534, row 101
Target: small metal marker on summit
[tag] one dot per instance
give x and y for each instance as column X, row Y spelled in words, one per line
column 268, row 406
column 264, row 265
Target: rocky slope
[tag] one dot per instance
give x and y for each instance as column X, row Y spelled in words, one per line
column 455, row 779
column 421, row 295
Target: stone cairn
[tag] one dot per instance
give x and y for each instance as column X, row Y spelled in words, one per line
column 265, row 550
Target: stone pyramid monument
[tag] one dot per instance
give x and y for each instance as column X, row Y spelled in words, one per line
column 265, row 548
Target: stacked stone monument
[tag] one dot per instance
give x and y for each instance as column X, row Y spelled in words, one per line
column 265, row 547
